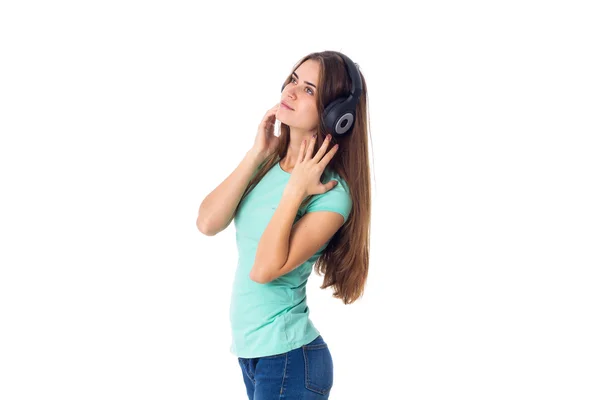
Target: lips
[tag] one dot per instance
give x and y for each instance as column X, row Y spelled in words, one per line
column 286, row 106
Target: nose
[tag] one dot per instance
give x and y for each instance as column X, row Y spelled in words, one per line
column 291, row 91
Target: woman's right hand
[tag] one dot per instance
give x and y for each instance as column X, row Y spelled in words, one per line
column 266, row 142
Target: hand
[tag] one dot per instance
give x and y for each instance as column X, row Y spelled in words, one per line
column 306, row 175
column 266, row 142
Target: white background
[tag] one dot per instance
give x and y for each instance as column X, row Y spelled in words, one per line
column 119, row 117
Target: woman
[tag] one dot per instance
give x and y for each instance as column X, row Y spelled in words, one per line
column 298, row 200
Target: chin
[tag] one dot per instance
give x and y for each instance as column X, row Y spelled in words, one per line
column 281, row 119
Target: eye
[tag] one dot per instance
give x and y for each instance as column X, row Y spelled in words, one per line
column 311, row 91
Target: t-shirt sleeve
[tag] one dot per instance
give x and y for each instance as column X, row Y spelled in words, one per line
column 337, row 199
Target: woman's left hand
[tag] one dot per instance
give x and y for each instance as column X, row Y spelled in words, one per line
column 306, row 175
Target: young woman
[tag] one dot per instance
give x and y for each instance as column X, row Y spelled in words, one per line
column 300, row 199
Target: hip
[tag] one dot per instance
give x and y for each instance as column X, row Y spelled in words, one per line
column 306, row 371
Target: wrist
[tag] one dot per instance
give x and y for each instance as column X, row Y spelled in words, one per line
column 257, row 156
column 293, row 192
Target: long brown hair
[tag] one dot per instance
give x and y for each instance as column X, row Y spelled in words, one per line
column 345, row 260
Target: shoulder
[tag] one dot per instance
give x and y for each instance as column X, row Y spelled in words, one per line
column 337, row 199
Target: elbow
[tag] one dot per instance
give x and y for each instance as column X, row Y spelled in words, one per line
column 258, row 277
column 203, row 228
column 210, row 227
column 207, row 233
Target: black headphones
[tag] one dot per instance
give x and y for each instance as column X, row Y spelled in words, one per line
column 339, row 115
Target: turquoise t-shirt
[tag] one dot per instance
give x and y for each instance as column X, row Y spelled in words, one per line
column 273, row 318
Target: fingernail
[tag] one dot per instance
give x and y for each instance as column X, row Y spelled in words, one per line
column 314, row 136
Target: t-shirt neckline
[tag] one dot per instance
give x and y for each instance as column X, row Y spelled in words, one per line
column 281, row 169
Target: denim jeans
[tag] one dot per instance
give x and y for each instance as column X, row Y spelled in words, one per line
column 303, row 373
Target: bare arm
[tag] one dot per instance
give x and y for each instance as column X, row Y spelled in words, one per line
column 216, row 211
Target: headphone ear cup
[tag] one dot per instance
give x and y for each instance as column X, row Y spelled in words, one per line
column 331, row 105
column 332, row 114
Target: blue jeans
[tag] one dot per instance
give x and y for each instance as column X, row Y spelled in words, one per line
column 303, row 373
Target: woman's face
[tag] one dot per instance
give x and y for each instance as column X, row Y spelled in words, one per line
column 301, row 95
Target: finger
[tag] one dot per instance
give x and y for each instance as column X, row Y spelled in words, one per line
column 325, row 160
column 323, row 148
column 270, row 116
column 311, row 147
column 301, row 152
column 327, row 187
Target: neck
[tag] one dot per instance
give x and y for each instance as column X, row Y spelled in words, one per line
column 296, row 137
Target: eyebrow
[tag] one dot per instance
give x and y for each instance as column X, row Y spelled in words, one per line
column 311, row 84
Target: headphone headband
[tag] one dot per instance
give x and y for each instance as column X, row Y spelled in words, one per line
column 352, row 68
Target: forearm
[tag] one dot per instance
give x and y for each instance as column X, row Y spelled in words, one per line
column 216, row 210
column 273, row 247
